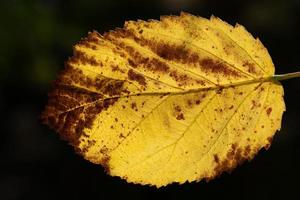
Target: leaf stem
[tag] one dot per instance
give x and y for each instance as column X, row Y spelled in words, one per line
column 281, row 77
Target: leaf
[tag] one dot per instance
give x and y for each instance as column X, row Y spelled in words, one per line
column 180, row 99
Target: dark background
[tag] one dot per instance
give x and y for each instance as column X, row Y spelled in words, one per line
column 35, row 39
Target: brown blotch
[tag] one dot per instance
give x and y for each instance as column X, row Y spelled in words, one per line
column 112, row 88
column 270, row 139
column 136, row 77
column 70, row 110
column 152, row 64
column 106, row 86
column 180, row 116
column 181, row 78
column 247, row 151
column 177, row 108
column 91, row 40
column 137, row 59
column 235, row 156
column 132, row 63
column 105, row 164
column 171, row 52
column 219, row 90
column 180, row 54
column 250, row 67
column 213, row 66
column 255, row 104
column 115, row 68
column 81, row 57
column 166, row 51
column 216, row 158
column 189, row 103
column 269, row 110
column 134, row 106
column 267, row 146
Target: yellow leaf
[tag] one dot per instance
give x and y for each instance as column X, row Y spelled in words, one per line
column 180, row 99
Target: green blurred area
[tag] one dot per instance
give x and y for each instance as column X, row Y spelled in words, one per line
column 32, row 34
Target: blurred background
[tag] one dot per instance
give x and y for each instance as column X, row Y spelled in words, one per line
column 36, row 39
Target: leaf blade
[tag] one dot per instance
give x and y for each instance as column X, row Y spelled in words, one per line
column 160, row 101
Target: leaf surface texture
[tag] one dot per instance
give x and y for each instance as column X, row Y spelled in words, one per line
column 180, row 99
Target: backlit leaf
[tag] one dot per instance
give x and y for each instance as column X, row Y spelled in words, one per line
column 180, row 99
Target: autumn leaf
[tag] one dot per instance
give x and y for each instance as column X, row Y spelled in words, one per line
column 176, row 100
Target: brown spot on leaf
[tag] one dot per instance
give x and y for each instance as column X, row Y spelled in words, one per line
column 91, row 40
column 112, row 88
column 70, row 110
column 174, row 52
column 216, row 158
column 235, row 156
column 219, row 90
column 250, row 67
column 255, row 104
column 270, row 139
column 105, row 164
column 177, row 108
column 269, row 110
column 189, row 103
column 170, row 52
column 137, row 59
column 247, row 150
column 105, row 86
column 81, row 57
column 134, row 106
column 180, row 116
column 115, row 68
column 121, row 136
column 218, row 67
column 181, row 54
column 267, row 146
column 180, row 78
column 136, row 77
